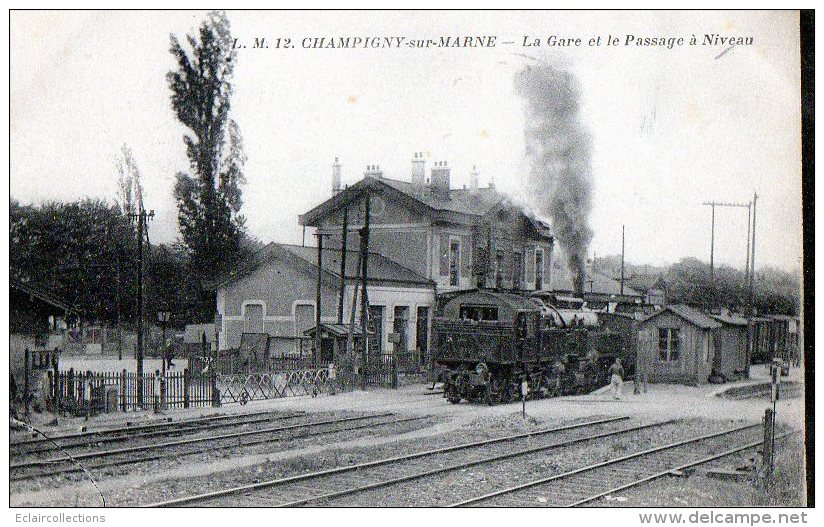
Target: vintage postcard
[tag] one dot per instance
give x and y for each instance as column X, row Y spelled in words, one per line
column 522, row 259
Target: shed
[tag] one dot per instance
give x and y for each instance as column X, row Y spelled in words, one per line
column 333, row 340
column 730, row 346
column 677, row 344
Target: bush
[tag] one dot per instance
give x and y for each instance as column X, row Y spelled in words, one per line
column 787, row 485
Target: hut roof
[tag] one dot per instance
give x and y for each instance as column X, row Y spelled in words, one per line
column 690, row 314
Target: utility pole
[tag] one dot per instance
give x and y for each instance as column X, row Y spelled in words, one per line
column 623, row 279
column 119, row 330
column 364, row 295
column 751, row 310
column 316, row 356
column 142, row 217
column 344, row 236
column 623, row 239
column 714, row 204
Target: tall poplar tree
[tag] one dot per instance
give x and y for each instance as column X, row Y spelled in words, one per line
column 208, row 198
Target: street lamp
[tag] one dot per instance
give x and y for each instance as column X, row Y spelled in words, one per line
column 163, row 317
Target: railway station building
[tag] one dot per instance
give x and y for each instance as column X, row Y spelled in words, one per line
column 459, row 238
column 275, row 291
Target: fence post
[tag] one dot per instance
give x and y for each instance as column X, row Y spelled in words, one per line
column 394, row 371
column 123, row 404
column 766, row 449
column 186, row 400
column 88, row 396
column 70, row 389
column 56, row 387
column 26, row 385
column 50, row 395
column 215, row 391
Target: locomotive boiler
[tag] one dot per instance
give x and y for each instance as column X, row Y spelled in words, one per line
column 486, row 343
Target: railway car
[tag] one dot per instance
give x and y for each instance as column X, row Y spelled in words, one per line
column 487, row 343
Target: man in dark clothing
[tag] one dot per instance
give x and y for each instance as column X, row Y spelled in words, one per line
column 616, row 376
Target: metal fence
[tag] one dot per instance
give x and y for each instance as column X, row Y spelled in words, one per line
column 96, row 392
column 242, row 387
column 227, row 379
column 230, row 362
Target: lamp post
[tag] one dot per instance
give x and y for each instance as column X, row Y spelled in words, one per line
column 163, row 318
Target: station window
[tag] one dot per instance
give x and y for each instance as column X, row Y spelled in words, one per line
column 454, row 261
column 668, row 344
column 539, row 268
column 517, row 265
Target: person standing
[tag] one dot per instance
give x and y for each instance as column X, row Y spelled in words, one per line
column 616, row 378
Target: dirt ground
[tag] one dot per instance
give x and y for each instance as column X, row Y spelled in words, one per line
column 660, row 402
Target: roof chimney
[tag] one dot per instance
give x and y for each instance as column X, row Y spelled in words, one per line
column 373, row 171
column 336, row 176
column 418, row 171
column 473, row 179
column 440, row 180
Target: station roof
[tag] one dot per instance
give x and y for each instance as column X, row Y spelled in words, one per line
column 15, row 282
column 595, row 283
column 381, row 268
column 338, row 330
column 468, row 204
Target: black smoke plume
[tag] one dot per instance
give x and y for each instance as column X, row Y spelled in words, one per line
column 559, row 183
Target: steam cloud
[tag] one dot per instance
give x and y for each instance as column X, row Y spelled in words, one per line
column 559, row 183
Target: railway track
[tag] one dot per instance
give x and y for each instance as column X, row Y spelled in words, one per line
column 168, row 428
column 589, row 483
column 325, row 485
column 99, row 459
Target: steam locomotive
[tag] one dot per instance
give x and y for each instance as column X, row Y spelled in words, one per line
column 488, row 343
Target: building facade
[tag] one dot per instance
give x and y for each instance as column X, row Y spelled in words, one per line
column 677, row 344
column 458, row 238
column 275, row 292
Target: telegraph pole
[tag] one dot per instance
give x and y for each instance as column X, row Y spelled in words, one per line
column 317, row 297
column 622, row 258
column 344, row 236
column 623, row 278
column 714, row 204
column 364, row 296
column 142, row 217
column 750, row 327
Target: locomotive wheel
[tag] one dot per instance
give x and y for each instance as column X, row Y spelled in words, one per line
column 452, row 393
column 493, row 395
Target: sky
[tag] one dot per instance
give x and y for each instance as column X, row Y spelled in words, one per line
column 670, row 128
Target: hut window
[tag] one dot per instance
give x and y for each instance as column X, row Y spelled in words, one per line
column 539, row 268
column 668, row 344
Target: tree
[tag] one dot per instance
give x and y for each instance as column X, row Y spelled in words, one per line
column 73, row 249
column 209, row 199
column 129, row 187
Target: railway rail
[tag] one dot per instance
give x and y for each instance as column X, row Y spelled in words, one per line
column 586, row 484
column 569, row 488
column 38, row 468
column 166, row 428
column 324, row 485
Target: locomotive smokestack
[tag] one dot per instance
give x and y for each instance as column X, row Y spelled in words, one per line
column 579, row 279
column 558, row 148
